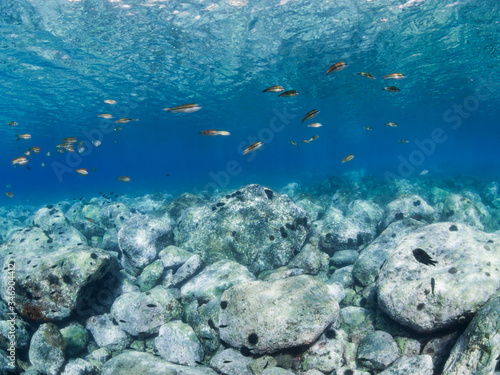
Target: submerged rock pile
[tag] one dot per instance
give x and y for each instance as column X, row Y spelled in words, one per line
column 342, row 278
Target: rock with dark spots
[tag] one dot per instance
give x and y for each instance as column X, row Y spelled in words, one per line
column 80, row 366
column 408, row 206
column 371, row 259
column 463, row 276
column 418, row 365
column 8, row 227
column 187, row 270
column 177, row 343
column 107, row 333
column 26, row 240
column 49, row 286
column 327, row 353
column 47, row 348
column 310, row 259
column 377, row 350
column 182, row 203
column 214, row 280
column 142, row 314
column 344, row 258
column 50, row 220
column 140, row 241
column 151, row 276
column 248, row 313
column 477, row 350
column 76, row 337
column 98, row 357
column 231, row 361
column 133, row 363
column 204, row 319
column 352, row 231
column 458, row 208
column 118, row 214
column 250, row 228
column 174, row 257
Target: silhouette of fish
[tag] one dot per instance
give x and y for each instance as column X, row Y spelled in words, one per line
column 433, row 285
column 424, row 258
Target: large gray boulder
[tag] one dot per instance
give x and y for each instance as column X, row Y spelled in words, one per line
column 49, row 286
column 140, row 240
column 371, row 259
column 438, row 275
column 53, row 222
column 269, row 316
column 417, row 365
column 9, row 226
column 476, row 351
column 253, row 226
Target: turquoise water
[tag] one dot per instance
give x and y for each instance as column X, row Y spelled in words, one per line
column 61, row 59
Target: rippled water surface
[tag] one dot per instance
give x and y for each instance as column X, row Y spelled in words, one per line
column 60, row 59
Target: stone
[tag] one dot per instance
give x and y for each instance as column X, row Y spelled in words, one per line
column 310, row 259
column 46, row 352
column 262, row 363
column 327, row 353
column 248, row 313
column 183, row 203
column 476, row 351
column 408, row 347
column 343, row 276
column 79, row 366
column 418, row 365
column 377, row 350
column 106, row 333
column 214, row 280
column 134, row 363
column 8, row 227
column 140, row 240
column 142, row 313
column 188, row 269
column 231, row 362
column 439, row 348
column 458, row 208
column 465, row 276
column 367, row 266
column 76, row 338
column 22, row 333
column 174, row 257
column 177, row 343
column 357, row 322
column 408, row 206
column 352, row 231
column 253, row 226
column 277, row 371
column 49, row 286
column 150, row 276
column 344, row 258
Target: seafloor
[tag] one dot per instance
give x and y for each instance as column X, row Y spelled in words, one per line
column 348, row 276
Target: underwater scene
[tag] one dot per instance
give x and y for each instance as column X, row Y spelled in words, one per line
column 238, row 187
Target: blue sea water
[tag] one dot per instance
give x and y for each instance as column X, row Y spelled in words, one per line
column 60, row 59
